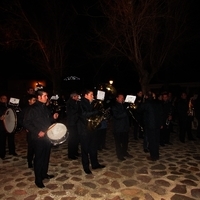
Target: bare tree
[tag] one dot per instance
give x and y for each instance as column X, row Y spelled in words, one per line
column 43, row 29
column 147, row 32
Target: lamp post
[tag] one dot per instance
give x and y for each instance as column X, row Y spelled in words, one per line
column 110, row 82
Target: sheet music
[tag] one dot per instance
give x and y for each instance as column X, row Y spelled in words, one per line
column 100, row 95
column 14, row 101
column 130, row 98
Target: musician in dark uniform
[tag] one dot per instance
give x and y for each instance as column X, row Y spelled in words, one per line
column 10, row 137
column 121, row 127
column 152, row 123
column 88, row 139
column 72, row 106
column 37, row 120
column 3, row 132
column 31, row 99
column 168, row 111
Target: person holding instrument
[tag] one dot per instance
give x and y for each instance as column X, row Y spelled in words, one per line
column 88, row 137
column 4, row 132
column 37, row 120
column 121, row 127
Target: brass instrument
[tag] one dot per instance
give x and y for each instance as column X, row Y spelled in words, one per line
column 94, row 121
column 134, row 106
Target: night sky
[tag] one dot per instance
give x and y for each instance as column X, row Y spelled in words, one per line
column 183, row 67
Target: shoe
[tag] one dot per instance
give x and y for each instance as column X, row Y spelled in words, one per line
column 169, row 143
column 72, row 157
column 47, row 176
column 39, row 184
column 77, row 154
column 121, row 159
column 14, row 154
column 2, row 157
column 152, row 158
column 146, row 150
column 30, row 165
column 87, row 171
column 98, row 166
column 128, row 155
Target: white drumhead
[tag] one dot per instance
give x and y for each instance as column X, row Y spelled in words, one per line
column 10, row 120
column 56, row 131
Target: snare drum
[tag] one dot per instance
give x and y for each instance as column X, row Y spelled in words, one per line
column 10, row 120
column 57, row 133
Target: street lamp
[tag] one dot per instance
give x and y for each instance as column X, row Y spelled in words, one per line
column 111, row 82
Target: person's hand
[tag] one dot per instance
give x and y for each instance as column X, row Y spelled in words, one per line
column 41, row 134
column 55, row 115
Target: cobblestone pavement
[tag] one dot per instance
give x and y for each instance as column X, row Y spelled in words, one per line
column 175, row 176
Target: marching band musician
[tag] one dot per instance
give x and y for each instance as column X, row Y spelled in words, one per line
column 88, row 139
column 185, row 117
column 168, row 111
column 31, row 99
column 152, row 123
column 72, row 107
column 37, row 120
column 4, row 134
column 120, row 127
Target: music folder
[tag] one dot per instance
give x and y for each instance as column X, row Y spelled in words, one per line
column 100, row 95
column 130, row 99
column 13, row 101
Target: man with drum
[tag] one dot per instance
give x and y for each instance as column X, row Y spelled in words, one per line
column 37, row 121
column 4, row 132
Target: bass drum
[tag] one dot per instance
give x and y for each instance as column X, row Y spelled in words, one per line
column 10, row 120
column 57, row 133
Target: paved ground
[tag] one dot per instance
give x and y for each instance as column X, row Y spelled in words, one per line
column 176, row 176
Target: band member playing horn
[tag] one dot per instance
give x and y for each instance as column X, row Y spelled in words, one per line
column 37, row 121
column 88, row 139
column 72, row 107
column 121, row 127
column 184, row 118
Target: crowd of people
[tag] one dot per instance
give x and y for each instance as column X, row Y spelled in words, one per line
column 150, row 118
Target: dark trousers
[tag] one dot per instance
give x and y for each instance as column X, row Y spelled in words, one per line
column 42, row 149
column 137, row 131
column 2, row 143
column 89, row 149
column 101, row 138
column 121, row 143
column 11, row 143
column 165, row 135
column 185, row 127
column 154, row 142
column 73, row 141
column 30, row 149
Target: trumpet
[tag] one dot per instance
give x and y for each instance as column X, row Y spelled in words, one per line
column 132, row 106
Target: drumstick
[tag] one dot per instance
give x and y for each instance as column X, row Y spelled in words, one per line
column 51, row 127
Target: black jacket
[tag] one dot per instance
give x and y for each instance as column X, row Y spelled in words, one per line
column 120, row 118
column 85, row 112
column 152, row 114
column 72, row 108
column 37, row 118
